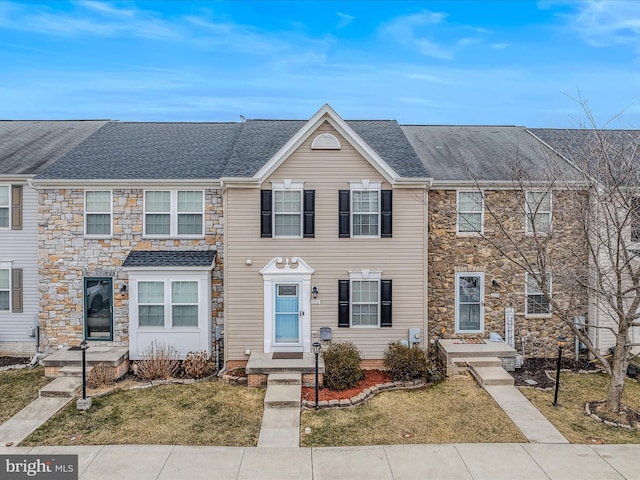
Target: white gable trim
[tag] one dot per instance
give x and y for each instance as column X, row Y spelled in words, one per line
column 326, row 113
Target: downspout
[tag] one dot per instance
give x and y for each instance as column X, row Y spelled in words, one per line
column 224, row 282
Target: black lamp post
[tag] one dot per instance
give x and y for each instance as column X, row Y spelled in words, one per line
column 316, row 352
column 83, row 347
column 562, row 341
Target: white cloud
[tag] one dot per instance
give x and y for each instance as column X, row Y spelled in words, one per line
column 606, row 23
column 409, row 30
column 345, row 19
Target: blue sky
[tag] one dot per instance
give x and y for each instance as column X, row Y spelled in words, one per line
column 420, row 62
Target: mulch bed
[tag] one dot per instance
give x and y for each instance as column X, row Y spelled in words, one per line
column 533, row 372
column 371, row 378
column 8, row 361
column 627, row 417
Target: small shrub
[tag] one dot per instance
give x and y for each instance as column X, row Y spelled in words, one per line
column 100, row 376
column 406, row 363
column 342, row 366
column 197, row 365
column 159, row 361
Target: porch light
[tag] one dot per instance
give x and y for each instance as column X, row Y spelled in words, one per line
column 314, row 292
column 123, row 288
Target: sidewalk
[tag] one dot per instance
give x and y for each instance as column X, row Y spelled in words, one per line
column 396, row 462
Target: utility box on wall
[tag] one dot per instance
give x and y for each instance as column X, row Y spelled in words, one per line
column 415, row 336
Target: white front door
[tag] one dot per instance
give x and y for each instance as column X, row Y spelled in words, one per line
column 287, row 315
column 469, row 302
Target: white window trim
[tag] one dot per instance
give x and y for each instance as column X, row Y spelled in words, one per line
column 173, row 215
column 359, row 276
column 185, row 339
column 287, row 185
column 459, row 211
column 146, row 304
column 526, row 298
column 9, row 194
column 8, row 266
column 364, row 185
column 110, row 212
column 528, row 220
column 457, row 303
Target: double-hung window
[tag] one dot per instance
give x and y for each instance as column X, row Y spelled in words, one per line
column 174, row 213
column 5, row 289
column 470, row 212
column 287, row 213
column 364, row 300
column 184, row 304
column 151, row 304
column 5, row 207
column 635, row 220
column 97, row 213
column 538, row 208
column 364, row 211
column 537, row 303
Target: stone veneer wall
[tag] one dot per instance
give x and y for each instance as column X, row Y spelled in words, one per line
column 450, row 253
column 66, row 257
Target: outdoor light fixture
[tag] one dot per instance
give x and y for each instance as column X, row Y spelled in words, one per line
column 84, row 403
column 494, row 284
column 123, row 288
column 316, row 352
column 562, row 341
column 314, row 292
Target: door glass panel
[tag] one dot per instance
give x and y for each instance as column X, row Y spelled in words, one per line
column 469, row 298
column 287, row 314
column 98, row 308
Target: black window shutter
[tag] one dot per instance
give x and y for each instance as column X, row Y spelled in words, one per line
column 385, row 303
column 309, row 214
column 16, row 290
column 344, row 205
column 386, row 204
column 343, row 303
column 266, row 228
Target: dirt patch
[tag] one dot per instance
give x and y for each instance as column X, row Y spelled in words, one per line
column 8, row 361
column 627, row 417
column 371, row 378
column 540, row 372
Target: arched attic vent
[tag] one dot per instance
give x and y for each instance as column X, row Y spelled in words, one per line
column 325, row 141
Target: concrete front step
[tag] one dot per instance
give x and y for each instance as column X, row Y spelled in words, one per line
column 284, row 379
column 283, row 396
column 62, row 387
column 72, row 371
column 280, row 428
column 480, row 361
column 491, row 376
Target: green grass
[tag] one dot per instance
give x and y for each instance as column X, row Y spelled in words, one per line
column 18, row 388
column 569, row 418
column 443, row 413
column 202, row 413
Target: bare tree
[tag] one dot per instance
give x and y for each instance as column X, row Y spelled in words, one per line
column 592, row 178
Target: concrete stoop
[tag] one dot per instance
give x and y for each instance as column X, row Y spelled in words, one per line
column 62, row 387
column 281, row 417
column 491, row 375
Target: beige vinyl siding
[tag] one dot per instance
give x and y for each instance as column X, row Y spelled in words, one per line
column 401, row 258
column 21, row 248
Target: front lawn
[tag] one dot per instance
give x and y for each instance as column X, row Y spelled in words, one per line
column 443, row 413
column 576, row 389
column 201, row 413
column 18, row 388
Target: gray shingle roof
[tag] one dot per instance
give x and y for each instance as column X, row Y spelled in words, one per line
column 136, row 150
column 173, row 258
column 573, row 143
column 27, row 146
column 459, row 153
column 261, row 139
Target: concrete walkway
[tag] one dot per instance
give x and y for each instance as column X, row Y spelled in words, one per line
column 27, row 420
column 281, row 417
column 395, row 462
